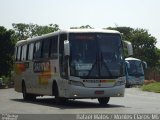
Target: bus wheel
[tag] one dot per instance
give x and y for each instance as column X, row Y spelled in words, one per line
column 103, row 101
column 58, row 100
column 27, row 96
column 128, row 86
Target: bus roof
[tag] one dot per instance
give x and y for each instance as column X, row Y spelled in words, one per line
column 131, row 58
column 91, row 31
column 67, row 31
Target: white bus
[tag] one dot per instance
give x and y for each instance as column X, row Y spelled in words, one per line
column 134, row 71
column 71, row 64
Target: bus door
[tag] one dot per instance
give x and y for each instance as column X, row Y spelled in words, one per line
column 63, row 65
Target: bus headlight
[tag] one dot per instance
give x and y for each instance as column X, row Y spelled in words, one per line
column 76, row 83
column 120, row 82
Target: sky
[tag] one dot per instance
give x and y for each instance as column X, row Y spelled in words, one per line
column 74, row 13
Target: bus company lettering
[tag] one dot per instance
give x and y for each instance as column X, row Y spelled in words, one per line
column 41, row 66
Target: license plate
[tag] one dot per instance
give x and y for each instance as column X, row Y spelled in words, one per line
column 99, row 92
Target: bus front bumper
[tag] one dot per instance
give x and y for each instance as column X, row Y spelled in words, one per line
column 83, row 92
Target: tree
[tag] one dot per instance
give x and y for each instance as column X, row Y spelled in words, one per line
column 82, row 27
column 157, row 51
column 86, row 26
column 21, row 30
column 40, row 30
column 7, row 43
column 24, row 31
column 143, row 44
column 126, row 31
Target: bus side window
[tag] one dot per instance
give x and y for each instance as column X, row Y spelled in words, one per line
column 53, row 47
column 30, row 52
column 62, row 62
column 19, row 53
column 27, row 51
column 45, row 48
column 37, row 50
column 24, row 51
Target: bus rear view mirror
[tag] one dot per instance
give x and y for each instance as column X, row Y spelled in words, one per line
column 127, row 64
column 66, row 48
column 128, row 45
column 144, row 64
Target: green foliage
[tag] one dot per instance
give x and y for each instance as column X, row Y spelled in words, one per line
column 157, row 52
column 126, row 31
column 143, row 44
column 86, row 26
column 82, row 27
column 6, row 80
column 7, row 43
column 152, row 87
column 24, row 31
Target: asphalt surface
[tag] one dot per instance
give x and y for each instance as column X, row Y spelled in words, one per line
column 134, row 102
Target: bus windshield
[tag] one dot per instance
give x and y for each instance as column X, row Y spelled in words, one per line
column 136, row 68
column 96, row 55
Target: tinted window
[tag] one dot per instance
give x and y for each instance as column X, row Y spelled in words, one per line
column 24, row 51
column 136, row 68
column 62, row 61
column 37, row 50
column 96, row 55
column 30, row 54
column 19, row 53
column 45, row 49
column 54, row 42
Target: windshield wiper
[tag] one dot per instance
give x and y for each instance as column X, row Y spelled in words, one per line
column 102, row 62
column 95, row 63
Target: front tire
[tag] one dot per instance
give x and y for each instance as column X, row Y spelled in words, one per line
column 58, row 99
column 27, row 96
column 103, row 101
column 128, row 86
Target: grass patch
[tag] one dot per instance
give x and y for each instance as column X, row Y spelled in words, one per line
column 152, row 87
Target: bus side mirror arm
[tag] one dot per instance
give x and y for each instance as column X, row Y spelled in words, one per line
column 127, row 64
column 129, row 47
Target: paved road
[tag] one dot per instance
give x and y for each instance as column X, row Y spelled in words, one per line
column 135, row 101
